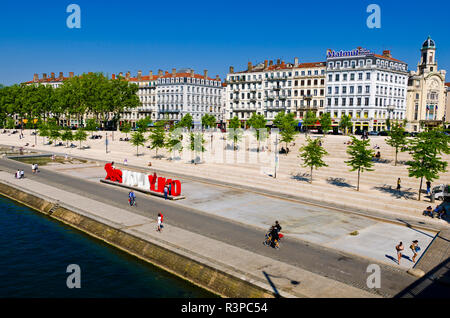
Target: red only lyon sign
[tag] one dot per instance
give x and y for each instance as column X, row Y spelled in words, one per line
column 143, row 181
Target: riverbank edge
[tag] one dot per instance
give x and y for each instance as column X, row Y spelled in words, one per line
column 205, row 276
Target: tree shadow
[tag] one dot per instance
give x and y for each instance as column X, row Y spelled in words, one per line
column 382, row 160
column 406, row 194
column 301, row 177
column 340, row 182
column 275, row 290
column 158, row 156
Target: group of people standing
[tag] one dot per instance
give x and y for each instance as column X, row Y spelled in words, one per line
column 414, row 248
column 19, row 174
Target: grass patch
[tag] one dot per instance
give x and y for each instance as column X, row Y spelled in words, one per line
column 43, row 161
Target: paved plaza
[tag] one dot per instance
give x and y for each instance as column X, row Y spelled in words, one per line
column 375, row 239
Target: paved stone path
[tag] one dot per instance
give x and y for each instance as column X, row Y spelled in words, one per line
column 337, row 266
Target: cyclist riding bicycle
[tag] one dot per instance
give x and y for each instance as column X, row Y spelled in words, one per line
column 132, row 198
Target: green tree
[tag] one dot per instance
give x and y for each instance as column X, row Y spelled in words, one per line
column 91, row 125
column 54, row 133
column 325, row 122
column 186, row 122
column 345, row 123
column 196, row 144
column 360, row 156
column 388, row 124
column 80, row 135
column 235, row 133
column 137, row 139
column 425, row 151
column 143, row 123
column 258, row 122
column 397, row 139
column 158, row 136
column 312, row 154
column 309, row 120
column 67, row 136
column 174, row 142
column 125, row 128
column 44, row 131
column 208, row 121
column 287, row 129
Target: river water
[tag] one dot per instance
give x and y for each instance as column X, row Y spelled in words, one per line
column 36, row 250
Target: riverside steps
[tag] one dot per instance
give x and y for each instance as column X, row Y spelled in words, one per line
column 334, row 184
column 222, row 268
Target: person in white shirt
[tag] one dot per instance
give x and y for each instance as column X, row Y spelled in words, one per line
column 22, row 174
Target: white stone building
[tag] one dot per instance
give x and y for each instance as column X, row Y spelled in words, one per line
column 267, row 89
column 426, row 91
column 369, row 87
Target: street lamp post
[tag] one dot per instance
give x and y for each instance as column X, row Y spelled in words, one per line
column 276, row 156
column 106, row 142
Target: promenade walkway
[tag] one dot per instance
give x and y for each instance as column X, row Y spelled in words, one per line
column 334, row 184
column 290, row 281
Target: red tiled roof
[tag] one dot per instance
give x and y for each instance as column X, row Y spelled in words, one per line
column 387, row 58
column 170, row 75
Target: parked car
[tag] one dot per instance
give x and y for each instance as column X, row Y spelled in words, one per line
column 373, row 133
column 441, row 192
column 383, row 133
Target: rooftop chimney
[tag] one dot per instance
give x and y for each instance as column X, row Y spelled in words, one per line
column 270, row 62
column 231, row 69
column 139, row 75
column 265, row 63
column 217, row 77
column 174, row 71
column 61, row 75
column 121, row 74
column 35, row 77
column 70, row 74
column 249, row 66
column 127, row 76
column 44, row 76
column 387, row 53
column 205, row 72
column 278, row 61
column 53, row 75
column 296, row 61
column 192, row 73
column 114, row 76
column 160, row 72
column 150, row 74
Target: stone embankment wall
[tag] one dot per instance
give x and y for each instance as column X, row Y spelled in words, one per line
column 214, row 280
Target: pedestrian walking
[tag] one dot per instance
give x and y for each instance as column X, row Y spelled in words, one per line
column 398, row 184
column 22, row 174
column 399, row 249
column 170, row 189
column 166, row 189
column 33, row 168
column 428, row 187
column 160, row 226
column 125, row 162
column 415, row 249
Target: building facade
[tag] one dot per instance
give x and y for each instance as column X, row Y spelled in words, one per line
column 164, row 95
column 426, row 91
column 447, row 103
column 368, row 87
column 269, row 88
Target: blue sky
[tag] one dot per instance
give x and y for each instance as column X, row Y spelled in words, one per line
column 120, row 36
